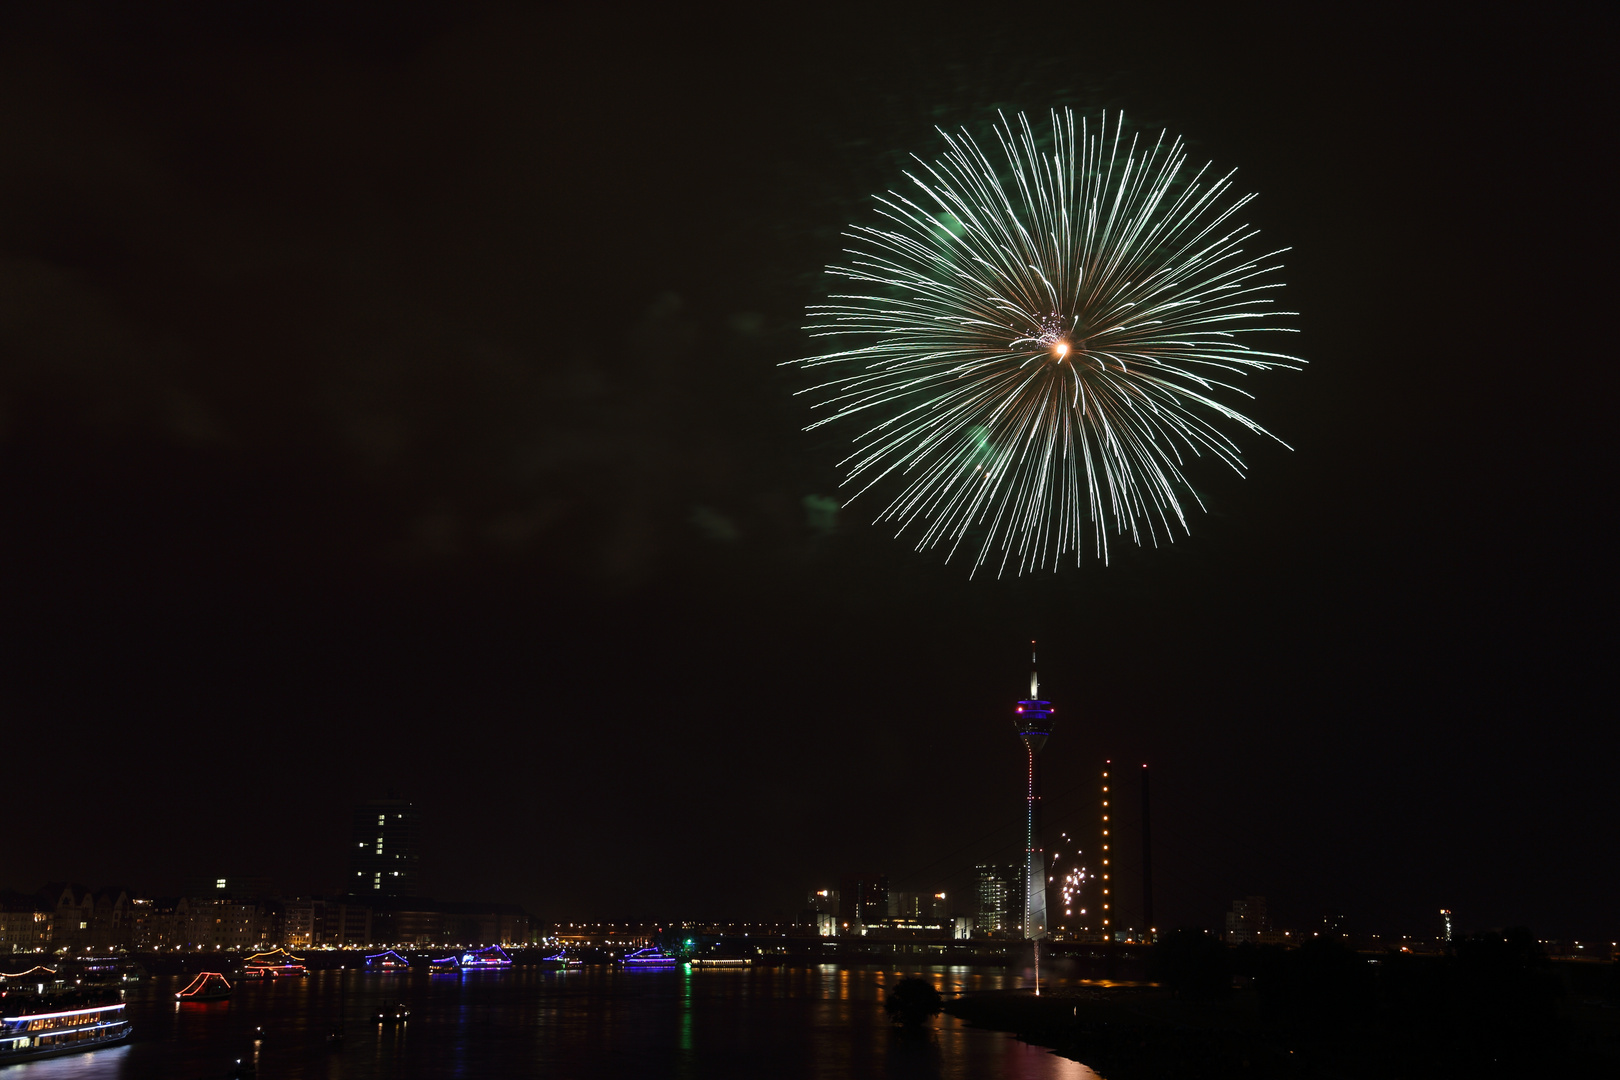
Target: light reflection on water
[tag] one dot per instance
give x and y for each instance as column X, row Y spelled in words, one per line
column 816, row 1022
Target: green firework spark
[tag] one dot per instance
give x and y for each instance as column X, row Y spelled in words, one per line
column 1039, row 348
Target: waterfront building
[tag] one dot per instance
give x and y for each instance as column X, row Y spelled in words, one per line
column 409, row 922
column 487, row 924
column 25, row 923
column 159, row 922
column 310, row 922
column 1247, row 920
column 84, row 918
column 821, row 912
column 823, row 901
column 236, row 887
column 201, row 922
column 384, row 843
column 863, row 899
column 1000, row 891
column 928, row 906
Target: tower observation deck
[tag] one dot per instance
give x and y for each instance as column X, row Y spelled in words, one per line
column 1033, row 718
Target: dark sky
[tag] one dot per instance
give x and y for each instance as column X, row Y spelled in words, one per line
column 393, row 400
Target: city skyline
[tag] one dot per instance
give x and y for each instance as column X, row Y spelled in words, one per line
column 411, row 406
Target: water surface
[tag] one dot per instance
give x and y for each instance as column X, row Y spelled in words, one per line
column 595, row 1022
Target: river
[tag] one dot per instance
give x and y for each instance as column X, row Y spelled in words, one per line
column 586, row 1023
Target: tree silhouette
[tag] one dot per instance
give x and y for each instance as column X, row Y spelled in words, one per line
column 912, row 1002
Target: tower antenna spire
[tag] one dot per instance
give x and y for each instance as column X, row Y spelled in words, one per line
column 1034, row 683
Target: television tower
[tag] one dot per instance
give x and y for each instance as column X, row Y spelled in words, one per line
column 1034, row 720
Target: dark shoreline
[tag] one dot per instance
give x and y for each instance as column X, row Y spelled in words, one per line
column 1131, row 1033
column 1149, row 1033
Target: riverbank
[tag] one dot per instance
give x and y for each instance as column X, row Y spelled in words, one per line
column 1148, row 1033
column 1138, row 1033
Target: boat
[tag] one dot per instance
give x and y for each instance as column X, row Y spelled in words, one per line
column 722, row 961
column 489, row 958
column 38, row 975
column 43, row 1028
column 387, row 961
column 208, row 986
column 277, row 963
column 561, row 959
column 109, row 972
column 397, row 1015
column 649, row 957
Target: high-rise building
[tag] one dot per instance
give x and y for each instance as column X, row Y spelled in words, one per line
column 821, row 911
column 1001, row 899
column 1247, row 920
column 383, row 849
column 1034, row 720
column 863, row 899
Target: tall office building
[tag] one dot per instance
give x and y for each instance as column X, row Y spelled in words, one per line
column 863, row 899
column 1001, row 899
column 1034, row 720
column 1247, row 920
column 384, row 849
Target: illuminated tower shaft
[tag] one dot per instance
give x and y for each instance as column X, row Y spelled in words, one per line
column 1106, row 928
column 1034, row 719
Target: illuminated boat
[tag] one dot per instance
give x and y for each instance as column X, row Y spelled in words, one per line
column 277, row 963
column 396, row 1015
column 561, row 959
column 109, row 972
column 45, row 1031
column 722, row 961
column 387, row 961
column 209, row 986
column 489, row 958
column 650, row 957
column 39, row 975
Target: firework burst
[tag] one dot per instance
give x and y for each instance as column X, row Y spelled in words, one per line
column 1039, row 348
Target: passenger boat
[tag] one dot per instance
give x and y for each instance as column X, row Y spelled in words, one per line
column 42, row 1029
column 722, row 961
column 208, row 986
column 387, row 961
column 561, row 959
column 109, row 972
column 489, row 958
column 39, row 975
column 276, row 963
column 649, row 957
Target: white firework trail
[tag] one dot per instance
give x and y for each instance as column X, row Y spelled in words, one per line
column 1039, row 348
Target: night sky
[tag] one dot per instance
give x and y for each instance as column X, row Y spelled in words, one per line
column 394, row 401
